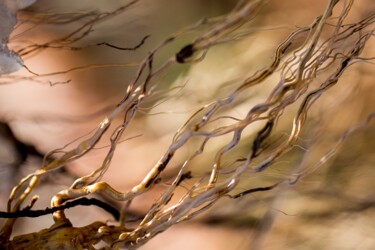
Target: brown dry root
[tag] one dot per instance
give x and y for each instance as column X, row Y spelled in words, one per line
column 74, row 36
column 90, row 20
column 63, row 237
column 323, row 53
column 9, row 60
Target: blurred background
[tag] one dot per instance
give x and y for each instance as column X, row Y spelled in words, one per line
column 332, row 208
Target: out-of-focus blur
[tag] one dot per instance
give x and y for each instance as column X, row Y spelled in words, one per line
column 63, row 94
